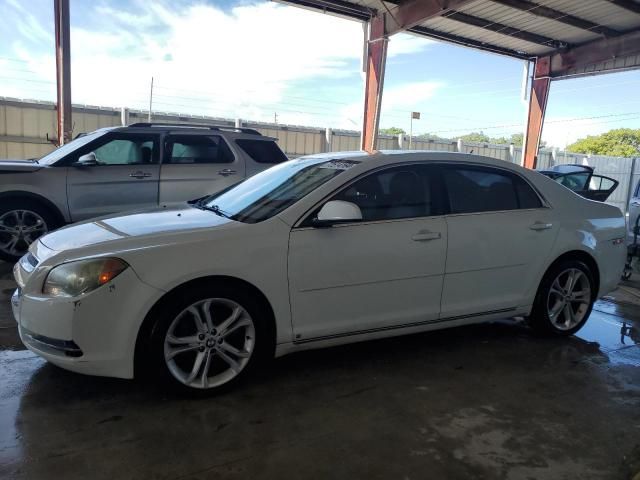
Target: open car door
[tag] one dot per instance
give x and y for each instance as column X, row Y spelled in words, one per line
column 581, row 180
column 599, row 188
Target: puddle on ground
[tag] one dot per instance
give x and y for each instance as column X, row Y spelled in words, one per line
column 618, row 337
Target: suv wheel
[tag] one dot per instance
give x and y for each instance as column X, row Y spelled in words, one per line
column 564, row 300
column 21, row 223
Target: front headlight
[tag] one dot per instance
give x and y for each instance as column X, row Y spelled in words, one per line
column 76, row 278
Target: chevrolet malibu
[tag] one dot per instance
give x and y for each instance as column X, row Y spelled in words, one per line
column 318, row 251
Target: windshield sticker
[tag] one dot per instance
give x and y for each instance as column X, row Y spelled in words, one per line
column 339, row 164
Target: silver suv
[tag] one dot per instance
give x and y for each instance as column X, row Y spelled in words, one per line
column 123, row 168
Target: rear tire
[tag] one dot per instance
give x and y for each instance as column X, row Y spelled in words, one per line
column 564, row 299
column 22, row 221
column 207, row 339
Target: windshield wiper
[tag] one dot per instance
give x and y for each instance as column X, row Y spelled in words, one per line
column 212, row 208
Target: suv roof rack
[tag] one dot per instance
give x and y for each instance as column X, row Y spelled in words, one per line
column 198, row 125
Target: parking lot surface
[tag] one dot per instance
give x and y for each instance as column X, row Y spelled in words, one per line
column 487, row 401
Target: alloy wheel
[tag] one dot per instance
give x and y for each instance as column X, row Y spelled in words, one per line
column 209, row 343
column 569, row 299
column 18, row 229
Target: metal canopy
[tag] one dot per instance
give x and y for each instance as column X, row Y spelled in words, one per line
column 523, row 29
column 565, row 38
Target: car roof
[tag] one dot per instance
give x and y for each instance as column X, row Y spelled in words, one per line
column 568, row 168
column 205, row 129
column 401, row 156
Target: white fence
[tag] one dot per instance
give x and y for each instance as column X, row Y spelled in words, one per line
column 25, row 125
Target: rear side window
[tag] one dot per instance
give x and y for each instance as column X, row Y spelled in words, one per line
column 473, row 190
column 262, row 151
column 187, row 149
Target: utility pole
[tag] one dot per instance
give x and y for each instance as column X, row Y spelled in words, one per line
column 275, row 117
column 415, row 115
column 63, row 70
column 150, row 101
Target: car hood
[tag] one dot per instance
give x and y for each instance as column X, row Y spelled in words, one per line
column 19, row 166
column 155, row 222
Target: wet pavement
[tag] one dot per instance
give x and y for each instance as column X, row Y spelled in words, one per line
column 487, row 401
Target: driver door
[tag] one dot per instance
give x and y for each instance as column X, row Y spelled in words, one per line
column 383, row 272
column 126, row 176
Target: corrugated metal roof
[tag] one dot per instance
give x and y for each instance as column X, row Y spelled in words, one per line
column 499, row 26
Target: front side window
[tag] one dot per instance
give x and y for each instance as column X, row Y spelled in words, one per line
column 271, row 191
column 198, row 149
column 131, row 151
column 394, row 193
column 472, row 189
column 262, row 151
column 68, row 148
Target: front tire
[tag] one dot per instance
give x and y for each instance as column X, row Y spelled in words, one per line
column 21, row 223
column 208, row 339
column 564, row 299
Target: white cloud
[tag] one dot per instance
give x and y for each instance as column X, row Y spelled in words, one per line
column 244, row 61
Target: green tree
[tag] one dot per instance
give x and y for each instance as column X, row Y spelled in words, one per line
column 392, row 131
column 478, row 137
column 621, row 142
column 432, row 136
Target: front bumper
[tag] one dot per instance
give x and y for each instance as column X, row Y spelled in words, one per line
column 93, row 334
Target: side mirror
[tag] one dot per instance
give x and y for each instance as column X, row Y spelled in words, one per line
column 86, row 160
column 337, row 211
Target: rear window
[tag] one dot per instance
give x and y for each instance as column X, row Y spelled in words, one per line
column 262, row 151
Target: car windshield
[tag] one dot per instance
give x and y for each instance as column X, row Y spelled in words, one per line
column 271, row 191
column 58, row 153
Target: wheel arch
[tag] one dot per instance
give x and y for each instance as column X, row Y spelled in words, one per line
column 146, row 327
column 582, row 256
column 46, row 203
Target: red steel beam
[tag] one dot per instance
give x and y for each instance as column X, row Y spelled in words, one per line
column 376, row 57
column 63, row 70
column 594, row 52
column 414, row 12
column 537, row 106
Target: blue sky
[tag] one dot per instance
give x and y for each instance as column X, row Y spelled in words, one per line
column 254, row 60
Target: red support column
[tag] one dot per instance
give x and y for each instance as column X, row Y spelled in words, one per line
column 537, row 106
column 376, row 57
column 63, row 70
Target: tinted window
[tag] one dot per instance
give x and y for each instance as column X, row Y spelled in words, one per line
column 401, row 192
column 574, row 181
column 600, row 183
column 189, row 149
column 485, row 190
column 262, row 151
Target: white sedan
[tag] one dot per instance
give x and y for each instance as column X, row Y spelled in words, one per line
column 318, row 251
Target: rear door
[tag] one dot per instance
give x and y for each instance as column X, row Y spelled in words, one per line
column 500, row 235
column 600, row 188
column 195, row 165
column 125, row 178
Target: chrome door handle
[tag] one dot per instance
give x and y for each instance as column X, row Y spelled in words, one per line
column 226, row 172
column 541, row 226
column 425, row 236
column 140, row 174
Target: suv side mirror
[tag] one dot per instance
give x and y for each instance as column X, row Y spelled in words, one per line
column 86, row 160
column 337, row 211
